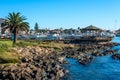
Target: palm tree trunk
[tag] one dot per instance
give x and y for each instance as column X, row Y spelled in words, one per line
column 15, row 36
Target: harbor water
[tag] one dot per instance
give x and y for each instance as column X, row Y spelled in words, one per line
column 101, row 68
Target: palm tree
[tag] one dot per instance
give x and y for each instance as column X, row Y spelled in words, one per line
column 15, row 23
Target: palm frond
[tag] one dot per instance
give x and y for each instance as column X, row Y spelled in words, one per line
column 16, row 21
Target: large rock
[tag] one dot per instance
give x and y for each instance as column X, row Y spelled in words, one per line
column 85, row 60
column 116, row 56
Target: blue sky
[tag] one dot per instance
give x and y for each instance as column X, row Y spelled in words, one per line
column 53, row 14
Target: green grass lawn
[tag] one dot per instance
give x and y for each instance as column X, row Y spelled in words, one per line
column 7, row 55
column 5, row 46
column 57, row 46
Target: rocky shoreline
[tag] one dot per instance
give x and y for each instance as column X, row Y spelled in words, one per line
column 39, row 63
column 36, row 64
column 87, row 52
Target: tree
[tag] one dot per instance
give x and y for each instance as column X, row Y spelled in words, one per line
column 78, row 28
column 67, row 31
column 15, row 23
column 36, row 28
column 31, row 30
column 61, row 30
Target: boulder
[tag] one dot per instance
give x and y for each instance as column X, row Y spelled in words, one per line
column 116, row 56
